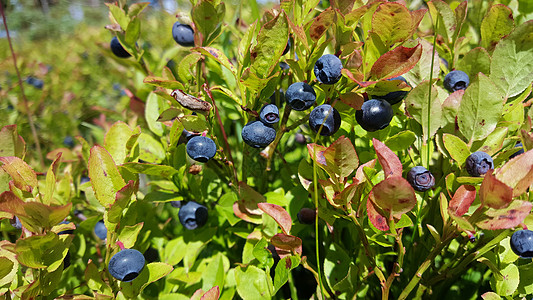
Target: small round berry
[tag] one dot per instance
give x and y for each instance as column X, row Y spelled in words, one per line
column 269, row 114
column 306, row 215
column 456, row 80
column 201, row 148
column 100, row 230
column 126, row 265
column 328, row 69
column 420, row 179
column 326, row 116
column 375, row 114
column 117, row 48
column 522, row 243
column 300, row 96
column 479, row 163
column 183, row 34
column 192, row 215
column 258, row 135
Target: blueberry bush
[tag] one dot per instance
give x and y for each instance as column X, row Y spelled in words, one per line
column 212, row 169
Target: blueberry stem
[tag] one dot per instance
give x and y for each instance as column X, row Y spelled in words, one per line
column 279, row 135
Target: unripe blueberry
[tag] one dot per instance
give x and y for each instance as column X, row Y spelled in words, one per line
column 456, row 80
column 117, row 48
column 269, row 114
column 375, row 114
column 258, row 135
column 300, row 96
column 183, row 34
column 328, row 116
column 201, row 148
column 420, row 179
column 522, row 243
column 478, row 163
column 126, row 265
column 328, row 69
column 192, row 215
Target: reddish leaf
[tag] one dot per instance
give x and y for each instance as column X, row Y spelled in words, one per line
column 394, row 195
column 354, row 100
column 416, row 18
column 396, row 62
column 379, row 221
column 509, row 217
column 288, row 243
column 341, row 157
column 389, row 161
column 249, row 199
column 321, row 23
column 392, row 22
column 242, row 214
column 517, row 173
column 494, row 193
column 316, row 152
column 462, row 199
column 279, row 214
column 359, row 175
column 23, row 175
column 360, row 80
column 211, row 294
column 527, row 138
column 346, row 195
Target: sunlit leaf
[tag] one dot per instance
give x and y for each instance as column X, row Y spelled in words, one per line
column 462, row 199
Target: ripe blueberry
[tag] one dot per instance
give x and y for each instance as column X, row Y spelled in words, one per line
column 201, row 148
column 117, row 48
column 375, row 114
column 420, row 179
column 396, row 96
column 183, row 34
column 35, row 82
column 300, row 96
column 192, row 215
column 269, row 114
column 456, row 80
column 68, row 231
column 176, row 204
column 478, row 163
column 126, row 264
column 518, row 145
column 522, row 243
column 15, row 222
column 328, row 69
column 306, row 215
column 288, row 47
column 66, row 260
column 68, row 141
column 257, row 134
column 100, row 230
column 326, row 116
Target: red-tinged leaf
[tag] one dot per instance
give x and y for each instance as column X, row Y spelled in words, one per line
column 416, row 18
column 527, row 139
column 389, row 161
column 218, row 56
column 346, row 195
column 494, row 193
column 163, row 82
column 462, row 199
column 330, row 190
column 359, row 174
column 359, row 79
column 11, row 144
column 242, row 214
column 354, row 100
column 450, row 106
column 396, row 62
column 341, row 157
column 279, row 214
column 51, row 179
column 288, row 243
column 517, row 173
column 394, row 195
column 105, row 177
column 321, row 23
column 22, row 174
column 122, row 200
column 344, row 6
column 299, row 32
column 212, row 294
column 316, row 152
column 509, row 217
column 379, row 221
column 249, row 198
column 392, row 22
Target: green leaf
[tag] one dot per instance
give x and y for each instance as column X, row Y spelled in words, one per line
column 42, row 251
column 207, row 16
column 150, row 169
column 491, row 296
column 152, row 272
column 119, row 15
column 418, row 107
column 136, row 8
column 334, row 271
column 128, row 234
column 154, row 107
column 24, row 177
column 447, row 23
column 252, row 283
column 163, row 82
column 218, row 56
column 194, row 123
column 512, row 67
column 133, row 32
column 341, row 158
column 395, row 62
column 480, row 109
column 475, row 61
column 511, row 279
column 174, row 251
column 392, row 22
column 321, row 23
column 271, row 42
column 456, row 147
column 150, row 149
column 284, row 266
column 496, row 24
column 509, row 217
column 11, row 144
column 214, row 273
column 420, row 72
column 105, row 177
column 186, row 72
column 262, row 254
column 401, row 141
column 116, row 140
column 9, row 264
column 526, row 278
column 51, row 180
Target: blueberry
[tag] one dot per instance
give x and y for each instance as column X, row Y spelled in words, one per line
column 183, row 34
column 518, row 145
column 68, row 141
column 15, row 222
column 151, row 255
column 201, row 148
column 300, row 96
column 456, row 80
column 192, row 215
column 186, row 136
column 284, row 66
column 420, row 179
column 66, row 260
column 396, row 96
column 84, row 179
column 522, row 243
column 69, row 231
column 100, row 230
column 288, row 47
column 478, row 163
column 445, row 62
column 126, row 264
column 176, row 204
column 328, row 69
column 306, row 215
column 375, row 114
column 35, row 82
column 269, row 114
column 326, row 115
column 117, row 48
column 257, row 134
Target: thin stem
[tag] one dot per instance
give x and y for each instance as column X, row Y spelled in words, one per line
column 317, row 245
column 25, row 100
column 279, row 135
column 429, row 93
